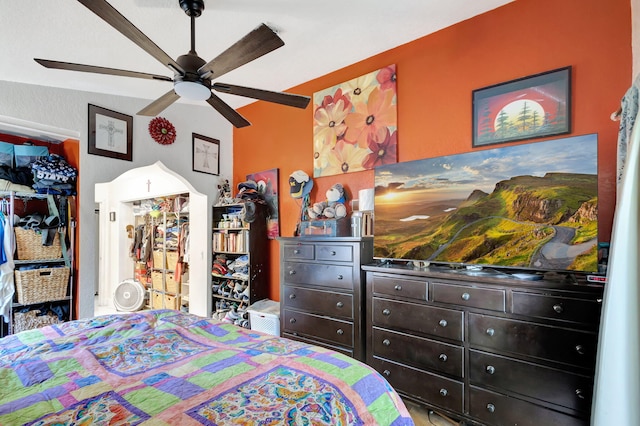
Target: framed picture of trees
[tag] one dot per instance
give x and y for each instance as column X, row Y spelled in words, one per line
column 526, row 108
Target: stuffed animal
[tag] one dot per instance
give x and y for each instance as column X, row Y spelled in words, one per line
column 332, row 207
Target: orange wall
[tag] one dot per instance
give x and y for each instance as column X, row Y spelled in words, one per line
column 435, row 78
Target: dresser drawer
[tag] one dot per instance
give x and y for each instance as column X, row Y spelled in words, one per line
column 548, row 384
column 299, row 251
column 340, row 276
column 434, row 389
column 321, row 302
column 348, row 351
column 332, row 330
column 555, row 307
column 485, row 298
column 500, row 410
column 334, row 253
column 402, row 287
column 418, row 352
column 425, row 319
column 536, row 340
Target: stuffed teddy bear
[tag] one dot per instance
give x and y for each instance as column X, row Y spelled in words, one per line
column 332, row 207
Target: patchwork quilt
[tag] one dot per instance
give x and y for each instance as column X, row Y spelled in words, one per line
column 166, row 367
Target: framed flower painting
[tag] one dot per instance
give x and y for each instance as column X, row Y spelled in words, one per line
column 355, row 124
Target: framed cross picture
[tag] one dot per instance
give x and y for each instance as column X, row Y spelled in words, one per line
column 206, row 154
column 110, row 133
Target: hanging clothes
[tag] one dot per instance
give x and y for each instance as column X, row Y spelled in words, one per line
column 7, row 288
column 617, row 379
column 627, row 115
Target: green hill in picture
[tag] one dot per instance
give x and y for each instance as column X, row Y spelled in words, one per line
column 547, row 222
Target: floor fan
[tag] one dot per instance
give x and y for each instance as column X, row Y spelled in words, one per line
column 129, row 296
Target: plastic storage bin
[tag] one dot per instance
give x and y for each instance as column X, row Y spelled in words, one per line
column 264, row 316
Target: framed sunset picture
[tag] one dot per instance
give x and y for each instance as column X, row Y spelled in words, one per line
column 531, row 107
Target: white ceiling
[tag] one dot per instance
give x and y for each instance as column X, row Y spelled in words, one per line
column 320, row 36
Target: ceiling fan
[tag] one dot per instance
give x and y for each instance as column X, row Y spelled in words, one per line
column 193, row 76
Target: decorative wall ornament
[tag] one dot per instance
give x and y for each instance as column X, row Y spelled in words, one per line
column 162, row 131
column 355, row 124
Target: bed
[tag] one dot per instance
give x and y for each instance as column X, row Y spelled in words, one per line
column 168, row 367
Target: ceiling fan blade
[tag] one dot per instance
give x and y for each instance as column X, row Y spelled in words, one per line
column 98, row 70
column 283, row 98
column 160, row 104
column 258, row 42
column 227, row 112
column 109, row 14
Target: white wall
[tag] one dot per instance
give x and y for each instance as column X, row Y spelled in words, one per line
column 68, row 109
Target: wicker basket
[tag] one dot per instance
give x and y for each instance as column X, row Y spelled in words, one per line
column 32, row 319
column 157, row 299
column 29, row 245
column 41, row 285
column 170, row 282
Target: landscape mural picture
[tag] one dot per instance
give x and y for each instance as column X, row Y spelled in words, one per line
column 532, row 206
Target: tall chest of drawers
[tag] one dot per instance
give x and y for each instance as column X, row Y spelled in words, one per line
column 491, row 350
column 322, row 291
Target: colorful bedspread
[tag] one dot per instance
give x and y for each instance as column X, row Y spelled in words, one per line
column 166, row 367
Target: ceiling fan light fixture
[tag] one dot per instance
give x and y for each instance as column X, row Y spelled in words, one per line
column 192, row 90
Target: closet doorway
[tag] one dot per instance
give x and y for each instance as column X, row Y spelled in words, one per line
column 117, row 201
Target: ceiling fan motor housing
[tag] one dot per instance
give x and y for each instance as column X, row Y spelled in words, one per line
column 191, row 63
column 192, row 7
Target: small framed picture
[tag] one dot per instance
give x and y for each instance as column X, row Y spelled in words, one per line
column 110, row 133
column 206, row 154
column 531, row 107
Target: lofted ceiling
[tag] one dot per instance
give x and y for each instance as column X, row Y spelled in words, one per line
column 320, row 37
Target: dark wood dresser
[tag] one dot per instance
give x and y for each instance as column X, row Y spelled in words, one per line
column 322, row 291
column 485, row 347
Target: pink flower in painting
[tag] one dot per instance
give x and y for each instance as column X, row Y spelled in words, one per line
column 345, row 158
column 329, row 99
column 377, row 113
column 383, row 148
column 387, row 78
column 329, row 123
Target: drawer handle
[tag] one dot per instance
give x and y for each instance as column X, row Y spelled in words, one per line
column 580, row 349
column 491, row 408
column 466, row 296
column 292, row 272
column 296, row 251
column 292, row 296
column 444, row 392
column 339, row 304
column 386, row 312
column 443, row 323
column 340, row 331
column 340, row 277
column 386, row 342
column 292, row 320
column 443, row 357
column 580, row 393
column 333, row 253
column 386, row 373
column 398, row 287
column 558, row 308
column 491, row 331
column 490, row 369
